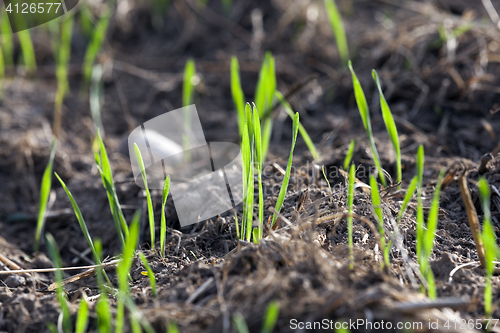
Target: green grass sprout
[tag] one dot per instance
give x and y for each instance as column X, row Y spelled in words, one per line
column 303, row 133
column 103, row 308
column 350, row 200
column 103, row 165
column 420, row 210
column 492, row 251
column 123, row 268
column 377, row 208
column 188, row 86
column 45, row 188
column 7, row 39
column 82, row 318
column 286, row 178
column 271, row 317
column 264, row 96
column 239, row 323
column 62, row 64
column 237, row 93
column 348, row 156
column 258, row 165
column 390, row 124
column 247, row 167
column 163, row 226
column 96, row 97
column 148, row 195
column 95, row 45
column 79, row 217
column 151, row 275
column 406, row 200
column 365, row 116
column 172, row 327
column 27, row 50
column 2, row 74
column 187, row 99
column 338, row 30
column 429, row 236
column 61, row 295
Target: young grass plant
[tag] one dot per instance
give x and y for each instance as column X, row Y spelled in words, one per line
column 390, row 125
column 427, row 239
column 338, row 29
column 286, row 178
column 27, row 50
column 148, row 195
column 45, row 188
column 271, row 317
column 102, row 162
column 7, row 39
column 491, row 250
column 348, row 157
column 258, row 165
column 62, row 64
column 149, row 272
column 406, row 200
column 365, row 116
column 163, row 226
column 82, row 318
column 95, row 46
column 350, row 200
column 103, row 308
column 96, row 97
column 61, row 295
column 377, row 208
column 187, row 99
column 264, row 96
column 123, row 269
column 237, row 93
column 248, row 181
column 81, row 221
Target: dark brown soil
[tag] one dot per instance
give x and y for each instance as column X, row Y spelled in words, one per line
column 443, row 98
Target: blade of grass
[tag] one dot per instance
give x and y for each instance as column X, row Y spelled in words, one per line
column 95, row 46
column 96, row 97
column 338, row 29
column 82, row 318
column 271, row 317
column 377, row 207
column 307, row 139
column 62, row 64
column 7, row 40
column 348, row 157
column 187, row 99
column 430, row 235
column 123, row 270
column 27, row 50
column 148, row 195
column 247, row 159
column 151, row 275
column 286, row 178
column 365, row 116
column 163, row 227
column 390, row 125
column 45, row 188
column 237, row 92
column 258, row 164
column 420, row 211
column 61, row 295
column 264, row 94
column 103, row 308
column 107, row 179
column 406, row 200
column 240, row 324
column 350, row 200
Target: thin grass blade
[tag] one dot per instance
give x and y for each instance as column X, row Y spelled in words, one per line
column 237, row 92
column 284, row 185
column 45, row 188
column 151, row 275
column 163, row 226
column 338, row 29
